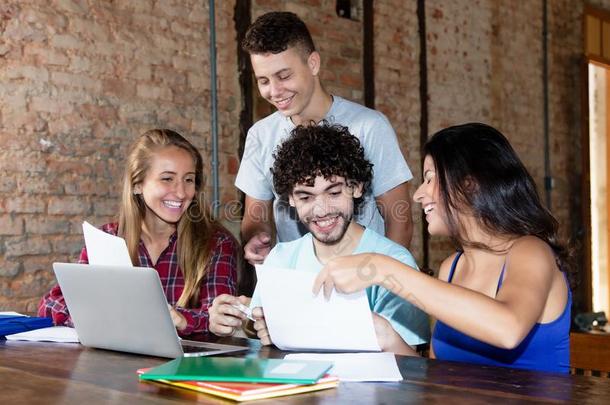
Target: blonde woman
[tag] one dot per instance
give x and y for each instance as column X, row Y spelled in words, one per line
column 166, row 226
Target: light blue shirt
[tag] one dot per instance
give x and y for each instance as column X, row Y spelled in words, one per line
column 407, row 320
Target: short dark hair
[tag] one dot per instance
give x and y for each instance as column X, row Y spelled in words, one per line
column 479, row 173
column 320, row 150
column 275, row 32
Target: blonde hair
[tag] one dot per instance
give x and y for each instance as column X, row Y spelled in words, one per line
column 195, row 227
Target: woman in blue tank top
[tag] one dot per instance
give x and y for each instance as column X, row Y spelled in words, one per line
column 503, row 299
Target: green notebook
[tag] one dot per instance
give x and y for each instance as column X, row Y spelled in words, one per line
column 239, row 370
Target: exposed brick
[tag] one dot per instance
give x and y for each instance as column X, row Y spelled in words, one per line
column 79, row 63
column 50, row 105
column 23, row 246
column 167, row 9
column 72, row 6
column 11, row 225
column 66, row 41
column 26, row 283
column 9, row 268
column 32, row 264
column 76, row 80
column 39, row 225
column 46, row 56
column 7, row 184
column 154, row 92
column 68, row 206
column 25, row 205
column 70, row 245
column 18, row 162
column 15, row 72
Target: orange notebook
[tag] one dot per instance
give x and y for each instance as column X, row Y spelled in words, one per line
column 240, row 392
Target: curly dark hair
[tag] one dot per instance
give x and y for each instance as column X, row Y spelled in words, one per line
column 275, row 32
column 320, row 150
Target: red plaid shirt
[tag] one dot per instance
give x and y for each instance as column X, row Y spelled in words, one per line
column 220, row 278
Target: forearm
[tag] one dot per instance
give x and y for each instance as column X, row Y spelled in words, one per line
column 470, row 312
column 250, row 227
column 258, row 217
column 395, row 208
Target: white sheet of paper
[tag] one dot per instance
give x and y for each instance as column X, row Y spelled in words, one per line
column 11, row 313
column 297, row 320
column 61, row 334
column 105, row 249
column 361, row 367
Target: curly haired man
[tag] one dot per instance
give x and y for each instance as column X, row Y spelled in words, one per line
column 321, row 172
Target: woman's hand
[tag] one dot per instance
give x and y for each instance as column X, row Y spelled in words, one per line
column 348, row 274
column 178, row 319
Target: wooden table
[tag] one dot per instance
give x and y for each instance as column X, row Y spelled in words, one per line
column 53, row 373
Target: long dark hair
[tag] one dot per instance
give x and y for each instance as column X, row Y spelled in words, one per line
column 480, row 174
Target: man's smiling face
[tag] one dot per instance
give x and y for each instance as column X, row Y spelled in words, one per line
column 286, row 79
column 326, row 208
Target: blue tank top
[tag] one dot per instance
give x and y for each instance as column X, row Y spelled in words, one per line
column 545, row 348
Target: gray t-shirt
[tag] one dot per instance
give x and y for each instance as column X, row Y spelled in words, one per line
column 380, row 145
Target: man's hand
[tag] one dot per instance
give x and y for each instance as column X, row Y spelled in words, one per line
column 388, row 339
column 261, row 326
column 225, row 319
column 257, row 248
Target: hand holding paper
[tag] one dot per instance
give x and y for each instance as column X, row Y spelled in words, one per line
column 298, row 320
column 347, row 274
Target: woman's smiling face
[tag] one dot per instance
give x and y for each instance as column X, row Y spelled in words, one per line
column 169, row 185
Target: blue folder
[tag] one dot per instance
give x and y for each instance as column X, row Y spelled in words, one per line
column 10, row 324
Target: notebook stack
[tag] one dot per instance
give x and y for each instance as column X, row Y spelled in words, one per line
column 242, row 379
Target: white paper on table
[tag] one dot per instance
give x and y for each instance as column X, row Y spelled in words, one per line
column 297, row 320
column 362, row 367
column 105, row 249
column 11, row 313
column 60, row 334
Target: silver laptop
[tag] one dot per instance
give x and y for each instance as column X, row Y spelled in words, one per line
column 124, row 308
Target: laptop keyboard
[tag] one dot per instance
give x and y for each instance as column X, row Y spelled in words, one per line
column 197, row 349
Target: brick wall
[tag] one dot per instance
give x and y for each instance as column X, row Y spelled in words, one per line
column 397, row 81
column 79, row 79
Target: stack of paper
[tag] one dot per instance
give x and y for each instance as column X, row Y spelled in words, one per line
column 60, row 334
column 356, row 366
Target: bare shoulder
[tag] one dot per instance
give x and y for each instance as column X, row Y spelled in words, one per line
column 531, row 252
column 443, row 271
column 530, row 246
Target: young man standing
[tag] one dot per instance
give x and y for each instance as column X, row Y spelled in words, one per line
column 287, row 66
column 321, row 172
